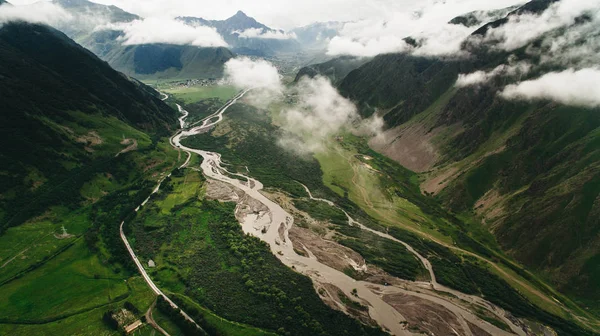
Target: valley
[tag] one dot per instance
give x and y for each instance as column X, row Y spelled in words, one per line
column 424, row 169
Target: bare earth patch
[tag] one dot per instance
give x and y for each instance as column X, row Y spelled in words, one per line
column 438, row 181
column 476, row 331
column 411, row 146
column 490, row 206
column 327, row 252
column 425, row 315
column 131, row 145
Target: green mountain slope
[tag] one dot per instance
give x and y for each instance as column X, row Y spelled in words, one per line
column 528, row 171
column 336, row 69
column 63, row 110
column 146, row 61
column 168, row 61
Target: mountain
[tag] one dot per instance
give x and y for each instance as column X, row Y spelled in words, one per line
column 232, row 29
column 529, row 171
column 66, row 113
column 477, row 18
column 146, row 61
column 316, row 36
column 336, row 69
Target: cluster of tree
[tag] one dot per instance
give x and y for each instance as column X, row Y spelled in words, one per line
column 186, row 326
column 109, row 320
column 107, row 215
column 238, row 271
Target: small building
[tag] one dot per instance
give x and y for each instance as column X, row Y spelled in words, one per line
column 151, row 263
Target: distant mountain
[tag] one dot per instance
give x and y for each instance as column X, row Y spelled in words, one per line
column 64, row 111
column 233, row 28
column 528, row 169
column 141, row 61
column 316, row 36
column 169, row 61
column 336, row 69
column 477, row 18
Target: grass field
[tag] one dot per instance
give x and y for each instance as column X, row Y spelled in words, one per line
column 195, row 94
column 70, row 284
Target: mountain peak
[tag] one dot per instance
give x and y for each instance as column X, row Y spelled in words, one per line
column 240, row 14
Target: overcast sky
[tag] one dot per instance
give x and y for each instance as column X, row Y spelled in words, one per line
column 283, row 14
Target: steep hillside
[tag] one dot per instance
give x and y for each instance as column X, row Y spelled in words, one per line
column 168, row 61
column 147, row 61
column 336, row 69
column 64, row 110
column 529, row 171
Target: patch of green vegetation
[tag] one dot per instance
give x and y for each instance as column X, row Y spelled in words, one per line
column 493, row 321
column 194, row 94
column 227, row 271
column 215, row 325
column 77, row 286
column 351, row 303
column 79, row 283
column 321, row 211
column 391, row 256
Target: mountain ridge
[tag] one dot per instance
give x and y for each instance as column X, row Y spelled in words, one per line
column 527, row 170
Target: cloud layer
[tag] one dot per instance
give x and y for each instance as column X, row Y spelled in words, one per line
column 162, row 30
column 266, row 34
column 43, row 12
column 318, row 112
column 481, row 77
column 570, row 87
column 522, row 29
column 427, row 24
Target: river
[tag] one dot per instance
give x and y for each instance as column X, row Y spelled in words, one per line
column 267, row 228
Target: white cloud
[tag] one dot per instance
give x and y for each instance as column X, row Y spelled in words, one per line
column 427, row 24
column 245, row 73
column 366, row 47
column 319, row 113
column 265, row 34
column 319, row 110
column 259, row 75
column 570, row 87
column 42, row 12
column 285, row 14
column 480, row 77
column 170, row 31
column 577, row 46
column 523, row 29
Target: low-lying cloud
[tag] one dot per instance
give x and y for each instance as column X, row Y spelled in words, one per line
column 259, row 75
column 164, row 30
column 427, row 25
column 42, row 12
column 522, row 29
column 318, row 112
column 570, row 87
column 481, row 77
column 261, row 33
